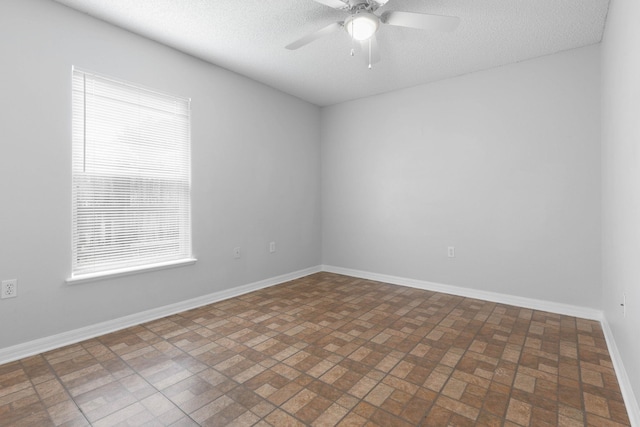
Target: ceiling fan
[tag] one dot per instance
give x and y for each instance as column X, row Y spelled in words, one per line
column 362, row 24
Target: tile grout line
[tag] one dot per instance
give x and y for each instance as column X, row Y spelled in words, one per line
column 495, row 307
column 63, row 385
column 579, row 366
column 142, row 377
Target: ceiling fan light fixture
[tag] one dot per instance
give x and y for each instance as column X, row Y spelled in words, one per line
column 362, row 26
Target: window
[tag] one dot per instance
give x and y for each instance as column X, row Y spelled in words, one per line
column 131, row 177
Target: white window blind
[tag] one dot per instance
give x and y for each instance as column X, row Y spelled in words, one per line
column 131, row 176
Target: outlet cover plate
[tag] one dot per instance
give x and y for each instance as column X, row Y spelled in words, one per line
column 9, row 288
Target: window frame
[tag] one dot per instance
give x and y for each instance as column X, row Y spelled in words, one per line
column 133, row 172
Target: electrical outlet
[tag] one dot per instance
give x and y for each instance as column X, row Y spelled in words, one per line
column 9, row 288
column 451, row 252
column 236, row 253
column 624, row 305
column 272, row 247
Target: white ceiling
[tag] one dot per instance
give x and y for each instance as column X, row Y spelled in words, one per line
column 248, row 37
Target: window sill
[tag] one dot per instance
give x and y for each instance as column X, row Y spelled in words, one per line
column 82, row 278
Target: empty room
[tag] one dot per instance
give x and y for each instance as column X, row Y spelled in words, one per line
column 320, row 213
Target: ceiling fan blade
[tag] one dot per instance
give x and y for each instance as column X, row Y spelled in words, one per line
column 314, row 36
column 375, row 52
column 336, row 4
column 420, row 21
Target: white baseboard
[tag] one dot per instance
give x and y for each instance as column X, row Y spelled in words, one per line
column 40, row 345
column 550, row 306
column 630, row 401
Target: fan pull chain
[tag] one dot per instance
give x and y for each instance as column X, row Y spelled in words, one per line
column 353, row 52
column 369, row 53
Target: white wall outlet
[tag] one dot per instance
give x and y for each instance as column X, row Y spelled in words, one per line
column 9, row 288
column 451, row 252
column 624, row 305
column 272, row 247
column 236, row 253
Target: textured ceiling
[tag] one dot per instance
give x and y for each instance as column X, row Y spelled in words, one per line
column 249, row 36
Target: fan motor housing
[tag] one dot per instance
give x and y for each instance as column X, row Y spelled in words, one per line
column 355, row 3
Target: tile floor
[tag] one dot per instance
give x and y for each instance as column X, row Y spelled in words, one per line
column 327, row 350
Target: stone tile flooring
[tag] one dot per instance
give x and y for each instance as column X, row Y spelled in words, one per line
column 327, row 350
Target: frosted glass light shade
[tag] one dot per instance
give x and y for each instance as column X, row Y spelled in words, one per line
column 362, row 26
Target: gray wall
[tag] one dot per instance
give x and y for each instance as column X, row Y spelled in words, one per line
column 621, row 180
column 503, row 164
column 255, row 168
